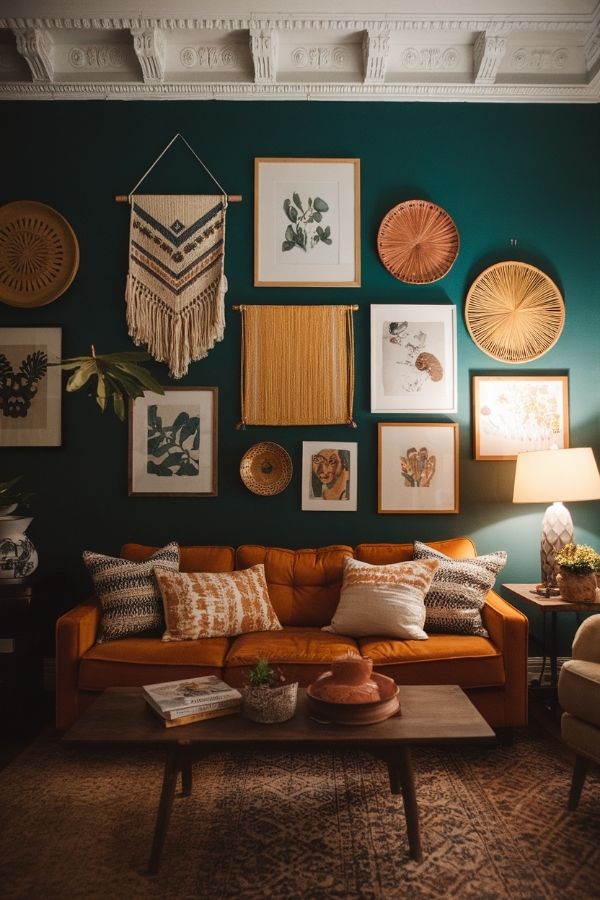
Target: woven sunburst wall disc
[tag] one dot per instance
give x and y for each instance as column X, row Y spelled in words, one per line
column 417, row 242
column 514, row 312
column 39, row 254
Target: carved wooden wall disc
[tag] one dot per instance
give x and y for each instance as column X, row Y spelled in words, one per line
column 417, row 242
column 514, row 312
column 39, row 254
column 266, row 468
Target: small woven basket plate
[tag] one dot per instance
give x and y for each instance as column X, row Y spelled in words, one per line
column 417, row 242
column 266, row 468
column 39, row 254
column 514, row 312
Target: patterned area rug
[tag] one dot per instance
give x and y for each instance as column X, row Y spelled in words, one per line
column 77, row 823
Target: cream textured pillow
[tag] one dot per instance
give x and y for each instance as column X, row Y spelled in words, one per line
column 215, row 604
column 383, row 600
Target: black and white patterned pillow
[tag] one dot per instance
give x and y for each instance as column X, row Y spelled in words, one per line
column 128, row 592
column 455, row 599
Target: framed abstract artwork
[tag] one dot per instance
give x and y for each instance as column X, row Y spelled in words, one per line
column 413, row 359
column 515, row 413
column 329, row 476
column 418, row 467
column 30, row 387
column 306, row 222
column 173, row 443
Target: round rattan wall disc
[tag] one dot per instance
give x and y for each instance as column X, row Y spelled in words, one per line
column 39, row 254
column 266, row 468
column 417, row 242
column 514, row 312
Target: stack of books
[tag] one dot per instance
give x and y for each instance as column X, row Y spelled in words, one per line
column 192, row 699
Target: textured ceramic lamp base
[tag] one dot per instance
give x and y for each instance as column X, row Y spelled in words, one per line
column 557, row 531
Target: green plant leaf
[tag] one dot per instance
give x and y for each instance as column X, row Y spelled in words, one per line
column 290, row 234
column 298, row 201
column 101, row 392
column 288, row 245
column 290, row 211
column 119, row 405
column 320, row 205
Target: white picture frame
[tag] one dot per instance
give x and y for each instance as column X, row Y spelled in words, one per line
column 417, row 467
column 31, row 387
column 173, row 443
column 329, row 476
column 306, row 222
column 413, row 359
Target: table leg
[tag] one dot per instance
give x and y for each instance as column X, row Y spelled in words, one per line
column 186, row 778
column 172, row 768
column 553, row 652
column 401, row 776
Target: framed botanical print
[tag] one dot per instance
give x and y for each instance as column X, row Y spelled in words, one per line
column 306, row 222
column 413, row 359
column 173, row 443
column 329, row 476
column 30, row 386
column 418, row 467
column 516, row 413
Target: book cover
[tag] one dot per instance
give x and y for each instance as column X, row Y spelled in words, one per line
column 201, row 716
column 191, row 694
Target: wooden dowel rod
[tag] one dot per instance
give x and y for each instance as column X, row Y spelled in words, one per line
column 231, row 198
column 236, row 307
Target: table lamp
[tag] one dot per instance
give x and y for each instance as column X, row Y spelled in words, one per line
column 554, row 476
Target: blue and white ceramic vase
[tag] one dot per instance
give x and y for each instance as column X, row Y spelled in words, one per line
column 18, row 556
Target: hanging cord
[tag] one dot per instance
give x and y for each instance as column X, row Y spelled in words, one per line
column 191, row 149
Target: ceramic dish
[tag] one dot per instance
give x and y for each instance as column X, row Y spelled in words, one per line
column 266, row 468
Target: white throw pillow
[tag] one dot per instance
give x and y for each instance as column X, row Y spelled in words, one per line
column 386, row 601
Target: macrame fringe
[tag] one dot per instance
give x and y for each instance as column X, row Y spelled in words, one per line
column 171, row 336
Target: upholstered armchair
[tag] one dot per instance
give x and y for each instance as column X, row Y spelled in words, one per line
column 579, row 698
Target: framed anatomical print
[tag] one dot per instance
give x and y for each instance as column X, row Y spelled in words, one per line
column 30, row 387
column 418, row 467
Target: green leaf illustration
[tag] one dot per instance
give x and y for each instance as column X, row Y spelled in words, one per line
column 320, row 205
column 298, row 201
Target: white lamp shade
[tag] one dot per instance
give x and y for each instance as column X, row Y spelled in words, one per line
column 543, row 476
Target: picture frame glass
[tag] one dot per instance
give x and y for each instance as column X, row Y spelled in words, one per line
column 516, row 413
column 329, row 476
column 306, row 222
column 418, row 467
column 413, row 358
column 173, row 443
column 30, row 386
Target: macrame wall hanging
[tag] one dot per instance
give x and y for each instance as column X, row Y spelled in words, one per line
column 297, row 365
column 176, row 284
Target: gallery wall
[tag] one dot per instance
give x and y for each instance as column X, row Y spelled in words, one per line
column 520, row 181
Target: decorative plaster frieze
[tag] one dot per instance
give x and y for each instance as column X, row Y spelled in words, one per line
column 317, row 57
column 539, row 59
column 429, row 58
column 150, row 49
column 263, row 47
column 209, row 57
column 376, row 52
column 592, row 45
column 96, row 56
column 35, row 46
column 488, row 53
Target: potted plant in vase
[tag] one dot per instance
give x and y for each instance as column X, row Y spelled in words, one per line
column 18, row 556
column 576, row 576
column 267, row 697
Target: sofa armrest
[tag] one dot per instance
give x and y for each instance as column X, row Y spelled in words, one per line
column 508, row 629
column 586, row 643
column 75, row 633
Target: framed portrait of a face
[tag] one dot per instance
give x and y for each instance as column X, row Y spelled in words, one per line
column 329, row 476
column 173, row 443
column 418, row 467
column 413, row 359
column 30, row 387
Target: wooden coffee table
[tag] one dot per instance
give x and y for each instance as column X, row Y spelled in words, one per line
column 430, row 714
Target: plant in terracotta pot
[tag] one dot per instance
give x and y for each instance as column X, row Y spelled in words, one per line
column 267, row 697
column 576, row 578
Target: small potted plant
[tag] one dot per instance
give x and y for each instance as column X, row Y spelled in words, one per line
column 267, row 697
column 576, row 577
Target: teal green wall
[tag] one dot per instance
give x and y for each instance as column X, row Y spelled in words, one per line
column 501, row 171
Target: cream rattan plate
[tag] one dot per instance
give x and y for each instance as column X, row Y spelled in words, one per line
column 417, row 242
column 266, row 468
column 39, row 254
column 514, row 312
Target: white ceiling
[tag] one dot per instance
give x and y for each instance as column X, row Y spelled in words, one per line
column 509, row 51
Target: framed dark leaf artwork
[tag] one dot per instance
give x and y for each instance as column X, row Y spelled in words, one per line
column 30, row 387
column 173, row 443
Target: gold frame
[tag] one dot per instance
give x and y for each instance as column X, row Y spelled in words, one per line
column 451, row 508
column 262, row 279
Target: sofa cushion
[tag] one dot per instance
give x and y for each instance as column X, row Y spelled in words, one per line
column 384, row 553
column 293, row 645
column 383, row 600
column 128, row 593
column 304, row 585
column 202, row 558
column 458, row 590
column 214, row 604
column 443, row 659
column 579, row 690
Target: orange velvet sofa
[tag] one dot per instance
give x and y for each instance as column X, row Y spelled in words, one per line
column 304, row 587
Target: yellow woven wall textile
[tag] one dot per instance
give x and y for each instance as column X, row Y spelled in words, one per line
column 297, row 365
column 176, row 285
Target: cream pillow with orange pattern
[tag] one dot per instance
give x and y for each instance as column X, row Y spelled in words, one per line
column 215, row 604
column 386, row 601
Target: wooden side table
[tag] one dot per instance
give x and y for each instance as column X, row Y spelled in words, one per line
column 549, row 606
